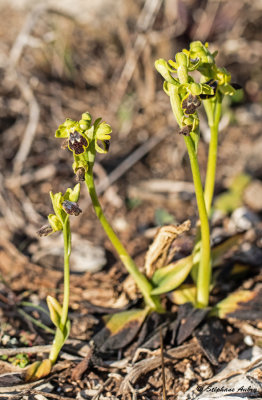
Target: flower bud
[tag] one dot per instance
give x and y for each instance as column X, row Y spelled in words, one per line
column 84, row 125
column 195, row 88
column 86, row 116
column 181, row 59
column 71, row 208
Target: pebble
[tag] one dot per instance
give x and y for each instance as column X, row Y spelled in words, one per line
column 84, row 257
column 253, row 195
column 242, row 219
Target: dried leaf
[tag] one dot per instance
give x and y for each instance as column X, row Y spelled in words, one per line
column 242, row 304
column 158, row 251
column 120, row 329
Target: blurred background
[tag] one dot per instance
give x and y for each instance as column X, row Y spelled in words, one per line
column 60, row 59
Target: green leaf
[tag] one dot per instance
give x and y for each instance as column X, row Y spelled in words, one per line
column 170, row 277
column 232, row 199
column 236, row 301
column 67, row 329
column 185, row 294
column 218, row 252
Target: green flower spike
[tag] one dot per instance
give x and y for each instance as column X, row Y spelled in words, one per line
column 63, row 205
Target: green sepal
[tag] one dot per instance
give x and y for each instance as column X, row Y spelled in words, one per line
column 103, row 131
column 72, row 194
column 55, row 223
column 227, row 90
column 162, row 67
column 166, row 87
column 63, row 130
column 57, row 200
column 99, row 149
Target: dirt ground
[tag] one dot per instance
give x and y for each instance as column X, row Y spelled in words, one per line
column 55, row 65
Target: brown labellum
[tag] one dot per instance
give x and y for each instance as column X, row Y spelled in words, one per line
column 44, row 230
column 190, row 104
column 77, row 142
column 71, row 208
column 185, row 130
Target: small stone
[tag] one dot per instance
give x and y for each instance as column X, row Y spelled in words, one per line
column 244, row 219
column 253, row 195
column 248, row 340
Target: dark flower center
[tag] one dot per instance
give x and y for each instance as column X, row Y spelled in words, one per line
column 77, row 142
column 190, row 104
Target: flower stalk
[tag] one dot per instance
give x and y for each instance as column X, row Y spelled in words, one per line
column 204, row 271
column 142, row 282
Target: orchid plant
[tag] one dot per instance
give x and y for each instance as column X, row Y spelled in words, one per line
column 186, row 96
column 85, row 139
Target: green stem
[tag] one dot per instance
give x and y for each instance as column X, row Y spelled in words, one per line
column 67, row 252
column 143, row 284
column 204, row 270
column 212, row 155
column 59, row 335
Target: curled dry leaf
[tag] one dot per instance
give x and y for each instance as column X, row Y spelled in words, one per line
column 157, row 254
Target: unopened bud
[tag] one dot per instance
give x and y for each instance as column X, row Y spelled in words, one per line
column 71, row 208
